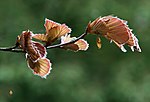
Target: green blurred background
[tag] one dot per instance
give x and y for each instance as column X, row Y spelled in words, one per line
column 105, row 75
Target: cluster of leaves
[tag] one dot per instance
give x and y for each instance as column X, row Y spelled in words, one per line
column 112, row 28
column 36, row 52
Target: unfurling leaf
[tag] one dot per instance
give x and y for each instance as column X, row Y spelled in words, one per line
column 116, row 30
column 25, row 39
column 53, row 32
column 98, row 42
column 35, row 54
column 34, row 50
column 81, row 44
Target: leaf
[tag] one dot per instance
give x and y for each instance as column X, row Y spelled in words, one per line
column 41, row 68
column 49, row 24
column 24, row 39
column 63, row 30
column 40, row 48
column 34, row 50
column 54, row 31
column 41, row 37
column 81, row 44
column 116, row 30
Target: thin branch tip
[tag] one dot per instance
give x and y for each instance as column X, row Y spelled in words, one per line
column 12, row 49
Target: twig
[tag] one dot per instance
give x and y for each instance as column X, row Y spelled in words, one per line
column 12, row 49
column 18, row 50
column 7, row 48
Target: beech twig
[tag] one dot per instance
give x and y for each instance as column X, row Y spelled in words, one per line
column 12, row 48
column 18, row 50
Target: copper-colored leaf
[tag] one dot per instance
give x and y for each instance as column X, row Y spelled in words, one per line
column 54, row 31
column 41, row 68
column 98, row 26
column 81, row 44
column 63, row 29
column 41, row 37
column 116, row 30
column 34, row 50
column 52, row 35
column 24, row 39
column 49, row 24
column 40, row 48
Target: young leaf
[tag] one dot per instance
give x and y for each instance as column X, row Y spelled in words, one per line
column 116, row 30
column 81, row 44
column 33, row 49
column 41, row 68
column 53, row 32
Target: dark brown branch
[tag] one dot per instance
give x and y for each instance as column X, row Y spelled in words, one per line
column 12, row 49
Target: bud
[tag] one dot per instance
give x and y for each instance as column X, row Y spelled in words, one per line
column 98, row 42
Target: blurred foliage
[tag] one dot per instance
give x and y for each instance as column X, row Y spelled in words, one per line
column 105, row 75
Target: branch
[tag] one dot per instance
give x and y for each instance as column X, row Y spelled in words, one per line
column 73, row 41
column 12, row 49
column 18, row 50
